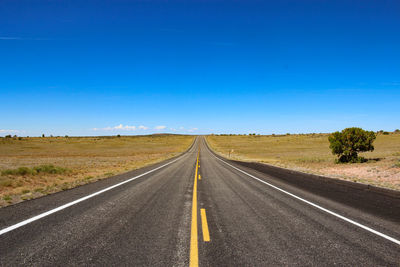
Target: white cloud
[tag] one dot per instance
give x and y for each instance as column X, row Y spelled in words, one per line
column 126, row 127
column 192, row 130
column 118, row 127
column 8, row 131
column 122, row 127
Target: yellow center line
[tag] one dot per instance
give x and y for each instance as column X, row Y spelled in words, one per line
column 194, row 250
column 204, row 225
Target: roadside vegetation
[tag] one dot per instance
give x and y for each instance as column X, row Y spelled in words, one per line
column 351, row 141
column 311, row 153
column 34, row 166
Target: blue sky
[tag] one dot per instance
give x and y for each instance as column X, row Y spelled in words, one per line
column 108, row 67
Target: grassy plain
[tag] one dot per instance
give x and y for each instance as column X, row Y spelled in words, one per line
column 33, row 167
column 311, row 153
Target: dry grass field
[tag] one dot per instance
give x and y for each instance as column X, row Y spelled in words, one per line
column 311, row 153
column 32, row 167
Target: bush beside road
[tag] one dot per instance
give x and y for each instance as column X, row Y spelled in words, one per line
column 311, row 153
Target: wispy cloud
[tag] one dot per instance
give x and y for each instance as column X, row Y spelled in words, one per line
column 2, row 131
column 116, row 128
column 192, row 130
column 126, row 127
column 161, row 127
column 122, row 127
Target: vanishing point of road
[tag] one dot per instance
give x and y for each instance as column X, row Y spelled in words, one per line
column 201, row 209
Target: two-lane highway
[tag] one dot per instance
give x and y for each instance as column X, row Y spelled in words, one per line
column 197, row 209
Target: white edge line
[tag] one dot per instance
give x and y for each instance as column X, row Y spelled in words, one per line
column 47, row 213
column 317, row 206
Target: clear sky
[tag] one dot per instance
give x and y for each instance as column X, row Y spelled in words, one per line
column 108, row 67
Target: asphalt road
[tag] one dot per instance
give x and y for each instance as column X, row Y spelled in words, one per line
column 254, row 217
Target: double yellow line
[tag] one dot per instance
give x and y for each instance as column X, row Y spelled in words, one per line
column 194, row 249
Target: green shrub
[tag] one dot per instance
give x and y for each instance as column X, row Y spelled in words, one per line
column 349, row 142
column 7, row 172
column 19, row 171
column 50, row 169
column 24, row 171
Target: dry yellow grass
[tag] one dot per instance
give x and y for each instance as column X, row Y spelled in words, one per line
column 311, row 153
column 86, row 159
